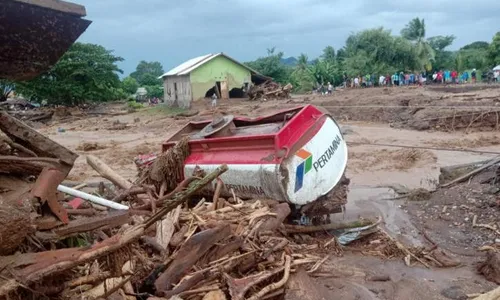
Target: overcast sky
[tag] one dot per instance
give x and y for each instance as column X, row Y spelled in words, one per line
column 174, row 31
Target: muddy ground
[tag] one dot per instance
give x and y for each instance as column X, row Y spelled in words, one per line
column 431, row 117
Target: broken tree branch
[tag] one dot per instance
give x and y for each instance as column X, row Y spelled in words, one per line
column 472, row 173
column 105, row 171
column 276, row 285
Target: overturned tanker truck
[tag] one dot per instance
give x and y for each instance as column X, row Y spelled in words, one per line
column 297, row 156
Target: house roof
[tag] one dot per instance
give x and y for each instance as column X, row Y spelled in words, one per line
column 190, row 65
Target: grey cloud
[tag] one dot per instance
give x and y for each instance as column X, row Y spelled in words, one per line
column 173, row 31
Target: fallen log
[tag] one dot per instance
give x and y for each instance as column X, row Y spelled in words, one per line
column 113, row 219
column 30, row 139
column 105, row 171
column 189, row 254
column 282, row 211
column 472, row 173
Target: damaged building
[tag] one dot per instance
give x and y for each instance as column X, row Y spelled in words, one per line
column 202, row 76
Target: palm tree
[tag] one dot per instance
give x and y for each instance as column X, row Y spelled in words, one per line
column 415, row 31
column 302, row 73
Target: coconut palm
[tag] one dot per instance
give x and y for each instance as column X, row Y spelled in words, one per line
column 415, row 31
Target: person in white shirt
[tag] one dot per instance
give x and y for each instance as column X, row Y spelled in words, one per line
column 356, row 81
column 214, row 100
column 381, row 80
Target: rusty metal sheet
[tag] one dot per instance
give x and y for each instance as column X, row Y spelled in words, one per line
column 33, row 38
column 45, row 189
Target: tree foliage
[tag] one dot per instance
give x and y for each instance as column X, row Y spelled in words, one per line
column 147, row 73
column 271, row 66
column 86, row 72
column 494, row 50
column 415, row 31
column 377, row 51
column 329, row 55
column 130, row 85
column 443, row 59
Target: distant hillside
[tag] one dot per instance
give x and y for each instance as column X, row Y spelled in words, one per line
column 289, row 61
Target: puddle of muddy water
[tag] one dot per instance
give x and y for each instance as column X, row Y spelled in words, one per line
column 368, row 192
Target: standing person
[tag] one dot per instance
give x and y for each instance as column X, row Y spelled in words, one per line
column 381, row 80
column 401, row 78
column 387, row 79
column 466, row 77
column 330, row 88
column 434, row 77
column 447, row 76
column 439, row 77
column 454, row 76
column 214, row 100
column 356, row 82
column 473, row 75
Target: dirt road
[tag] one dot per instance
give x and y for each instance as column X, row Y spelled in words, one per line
column 391, row 117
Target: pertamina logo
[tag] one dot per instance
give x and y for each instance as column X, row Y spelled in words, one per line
column 303, row 168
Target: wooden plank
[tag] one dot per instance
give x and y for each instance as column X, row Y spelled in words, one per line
column 31, row 139
column 62, row 6
column 189, row 254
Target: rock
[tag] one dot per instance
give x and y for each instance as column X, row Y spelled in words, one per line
column 419, row 124
column 455, row 293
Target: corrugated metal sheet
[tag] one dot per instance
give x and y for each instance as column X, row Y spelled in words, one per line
column 188, row 66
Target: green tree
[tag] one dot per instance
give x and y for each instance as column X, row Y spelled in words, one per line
column 415, row 31
column 329, row 55
column 130, row 85
column 377, row 51
column 155, row 91
column 494, row 50
column 301, row 76
column 443, row 59
column 145, row 71
column 271, row 66
column 6, row 87
column 86, row 72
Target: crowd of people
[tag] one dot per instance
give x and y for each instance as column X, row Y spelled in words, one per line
column 408, row 78
column 416, row 78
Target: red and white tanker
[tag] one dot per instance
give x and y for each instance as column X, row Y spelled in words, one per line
column 296, row 155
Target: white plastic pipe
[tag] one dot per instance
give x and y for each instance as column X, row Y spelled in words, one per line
column 91, row 198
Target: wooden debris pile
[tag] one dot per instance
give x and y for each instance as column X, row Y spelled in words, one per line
column 270, row 90
column 26, row 156
column 162, row 240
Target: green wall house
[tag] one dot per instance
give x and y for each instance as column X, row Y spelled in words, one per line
column 203, row 76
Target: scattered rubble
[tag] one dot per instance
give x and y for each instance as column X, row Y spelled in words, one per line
column 269, row 90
